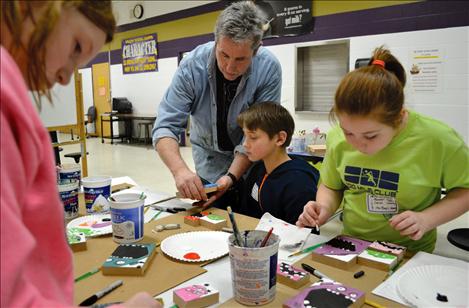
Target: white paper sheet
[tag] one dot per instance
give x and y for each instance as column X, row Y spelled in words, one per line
column 388, row 288
column 289, row 234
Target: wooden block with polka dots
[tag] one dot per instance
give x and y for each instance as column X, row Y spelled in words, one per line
column 291, row 276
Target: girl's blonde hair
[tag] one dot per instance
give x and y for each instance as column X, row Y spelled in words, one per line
column 375, row 90
column 15, row 13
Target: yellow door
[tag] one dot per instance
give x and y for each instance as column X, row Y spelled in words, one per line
column 101, row 95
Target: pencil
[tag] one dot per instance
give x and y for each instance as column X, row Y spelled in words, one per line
column 266, row 238
column 88, row 274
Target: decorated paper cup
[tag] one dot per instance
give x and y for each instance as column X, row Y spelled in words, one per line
column 97, row 189
column 69, row 195
column 254, row 268
column 127, row 217
column 68, row 173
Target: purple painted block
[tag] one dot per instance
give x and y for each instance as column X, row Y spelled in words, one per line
column 342, row 245
column 333, row 293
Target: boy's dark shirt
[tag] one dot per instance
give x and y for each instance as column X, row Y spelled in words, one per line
column 285, row 191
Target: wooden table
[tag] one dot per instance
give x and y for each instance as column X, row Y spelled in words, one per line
column 165, row 273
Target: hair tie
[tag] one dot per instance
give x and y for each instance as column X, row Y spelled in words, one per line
column 379, row 63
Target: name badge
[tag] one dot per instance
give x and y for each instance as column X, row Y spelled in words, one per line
column 255, row 192
column 381, row 204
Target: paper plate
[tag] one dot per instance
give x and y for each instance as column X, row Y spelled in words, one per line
column 196, row 246
column 420, row 286
column 92, row 225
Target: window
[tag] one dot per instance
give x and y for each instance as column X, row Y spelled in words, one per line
column 319, row 71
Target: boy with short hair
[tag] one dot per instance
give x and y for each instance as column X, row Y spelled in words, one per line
column 276, row 184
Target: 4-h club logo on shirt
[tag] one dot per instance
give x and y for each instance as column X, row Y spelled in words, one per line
column 371, row 180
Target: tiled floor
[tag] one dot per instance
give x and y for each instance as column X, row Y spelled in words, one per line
column 143, row 165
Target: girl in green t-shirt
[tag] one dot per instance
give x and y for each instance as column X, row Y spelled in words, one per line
column 387, row 165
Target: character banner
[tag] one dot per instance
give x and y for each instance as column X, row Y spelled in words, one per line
column 140, row 54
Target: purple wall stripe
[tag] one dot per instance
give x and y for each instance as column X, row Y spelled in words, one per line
column 401, row 18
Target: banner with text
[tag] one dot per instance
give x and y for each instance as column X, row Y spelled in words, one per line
column 287, row 18
column 140, row 54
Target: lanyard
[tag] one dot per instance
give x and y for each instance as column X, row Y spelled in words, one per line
column 259, row 192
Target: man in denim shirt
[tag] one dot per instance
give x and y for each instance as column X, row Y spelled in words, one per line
column 213, row 84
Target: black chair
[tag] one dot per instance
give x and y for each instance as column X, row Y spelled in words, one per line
column 459, row 238
column 75, row 155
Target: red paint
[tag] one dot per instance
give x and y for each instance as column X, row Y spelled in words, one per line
column 192, row 256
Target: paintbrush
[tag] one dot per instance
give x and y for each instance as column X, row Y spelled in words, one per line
column 266, row 238
column 235, row 226
column 311, row 248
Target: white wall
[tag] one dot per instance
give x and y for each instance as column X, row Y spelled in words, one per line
column 63, row 110
column 450, row 104
column 123, row 8
column 144, row 90
column 87, row 82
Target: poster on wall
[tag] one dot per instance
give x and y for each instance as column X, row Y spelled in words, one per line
column 287, row 18
column 426, row 69
column 140, row 54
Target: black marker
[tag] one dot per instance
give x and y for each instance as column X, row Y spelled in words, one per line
column 94, row 298
column 314, row 271
column 358, row 274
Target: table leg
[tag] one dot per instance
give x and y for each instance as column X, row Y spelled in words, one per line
column 102, row 131
column 112, row 129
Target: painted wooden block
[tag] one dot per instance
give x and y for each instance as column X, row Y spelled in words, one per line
column 391, row 248
column 129, row 259
column 76, row 239
column 213, row 222
column 291, row 276
column 377, row 259
column 333, row 293
column 192, row 220
column 195, row 296
column 341, row 251
column 209, row 188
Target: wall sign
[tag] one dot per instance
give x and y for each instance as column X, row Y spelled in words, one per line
column 287, row 18
column 140, row 54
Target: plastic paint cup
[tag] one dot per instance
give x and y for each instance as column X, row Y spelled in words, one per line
column 254, row 268
column 68, row 173
column 298, row 144
column 127, row 217
column 69, row 195
column 97, row 189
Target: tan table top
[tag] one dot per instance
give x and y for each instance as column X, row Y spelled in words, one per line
column 165, row 273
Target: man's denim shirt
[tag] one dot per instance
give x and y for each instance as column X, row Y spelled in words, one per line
column 193, row 92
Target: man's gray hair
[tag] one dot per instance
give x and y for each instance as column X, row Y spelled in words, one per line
column 241, row 21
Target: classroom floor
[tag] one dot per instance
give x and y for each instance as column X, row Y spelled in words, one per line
column 141, row 163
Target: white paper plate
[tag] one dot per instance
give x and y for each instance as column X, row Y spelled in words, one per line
column 420, row 285
column 196, row 246
column 92, row 225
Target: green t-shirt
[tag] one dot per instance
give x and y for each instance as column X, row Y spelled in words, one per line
column 406, row 175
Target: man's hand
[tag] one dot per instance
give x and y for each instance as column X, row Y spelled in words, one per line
column 190, row 186
column 224, row 183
